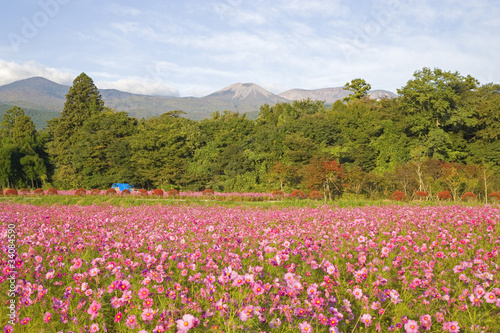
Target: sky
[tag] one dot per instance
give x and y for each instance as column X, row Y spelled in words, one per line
column 196, row 47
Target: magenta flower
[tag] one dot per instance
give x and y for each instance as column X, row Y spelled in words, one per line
column 131, row 321
column 358, row 293
column 147, row 314
column 118, row 317
column 490, row 297
column 246, row 313
column 366, row 319
column 143, row 293
column 411, row 326
column 47, row 317
column 451, row 326
column 94, row 328
column 186, row 323
column 93, row 309
column 305, row 327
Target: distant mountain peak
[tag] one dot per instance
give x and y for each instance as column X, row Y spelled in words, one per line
column 243, row 91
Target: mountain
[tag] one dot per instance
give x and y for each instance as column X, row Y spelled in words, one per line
column 244, row 97
column 330, row 95
column 42, row 95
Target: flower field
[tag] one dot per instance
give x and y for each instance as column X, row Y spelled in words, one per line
column 189, row 268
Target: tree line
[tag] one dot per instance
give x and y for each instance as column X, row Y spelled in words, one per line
column 440, row 133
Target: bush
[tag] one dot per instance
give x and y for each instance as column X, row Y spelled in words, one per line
column 208, row 192
column 421, row 194
column 24, row 191
column 315, row 195
column 95, row 191
column 494, row 195
column 38, row 191
column 398, row 196
column 142, row 192
column 277, row 195
column 444, row 195
column 298, row 194
column 468, row 196
column 125, row 193
column 52, row 191
column 80, row 192
column 172, row 193
column 1, row 191
column 110, row 191
column 10, row 191
column 158, row 192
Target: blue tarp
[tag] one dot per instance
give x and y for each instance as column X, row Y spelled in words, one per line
column 122, row 186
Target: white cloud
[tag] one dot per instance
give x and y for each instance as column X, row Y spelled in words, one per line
column 139, row 86
column 11, row 71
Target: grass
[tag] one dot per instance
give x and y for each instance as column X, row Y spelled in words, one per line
column 150, row 200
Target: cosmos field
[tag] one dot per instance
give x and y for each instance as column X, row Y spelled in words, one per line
column 193, row 268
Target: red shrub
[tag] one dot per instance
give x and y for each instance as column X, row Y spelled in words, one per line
column 142, row 192
column 80, row 192
column 125, row 193
column 1, row 191
column 398, row 196
column 495, row 195
column 315, row 195
column 208, row 191
column 95, row 191
column 10, row 191
column 38, row 191
column 277, row 195
column 298, row 194
column 51, row 191
column 469, row 196
column 158, row 192
column 444, row 195
column 421, row 194
column 110, row 191
column 173, row 193
column 24, row 191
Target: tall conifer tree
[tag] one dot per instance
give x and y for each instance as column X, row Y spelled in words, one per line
column 82, row 102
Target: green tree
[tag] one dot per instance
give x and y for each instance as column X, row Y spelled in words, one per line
column 21, row 150
column 359, row 89
column 82, row 102
column 102, row 154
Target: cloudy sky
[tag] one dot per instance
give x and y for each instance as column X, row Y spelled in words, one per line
column 193, row 48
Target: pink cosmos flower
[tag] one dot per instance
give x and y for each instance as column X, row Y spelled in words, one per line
column 143, row 293
column 246, row 313
column 147, row 314
column 186, row 323
column 490, row 297
column 305, row 327
column 475, row 300
column 411, row 326
column 94, row 328
column 47, row 316
column 358, row 293
column 93, row 309
column 366, row 319
column 238, row 281
column 118, row 317
column 257, row 289
column 451, row 326
column 131, row 321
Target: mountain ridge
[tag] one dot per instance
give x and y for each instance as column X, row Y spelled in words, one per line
column 43, row 94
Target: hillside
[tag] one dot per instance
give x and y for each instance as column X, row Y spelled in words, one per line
column 43, row 95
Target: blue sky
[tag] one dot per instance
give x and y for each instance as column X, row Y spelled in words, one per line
column 193, row 48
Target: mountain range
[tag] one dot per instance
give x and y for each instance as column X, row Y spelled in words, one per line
column 41, row 94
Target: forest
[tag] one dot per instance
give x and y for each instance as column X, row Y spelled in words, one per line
column 440, row 134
